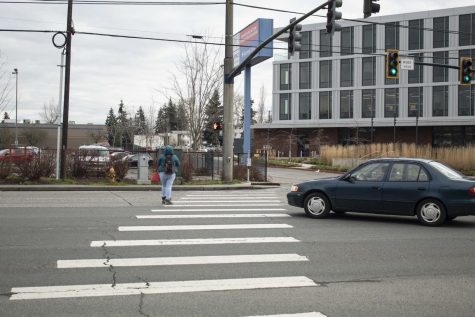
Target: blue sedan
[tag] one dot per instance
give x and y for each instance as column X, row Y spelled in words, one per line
column 428, row 189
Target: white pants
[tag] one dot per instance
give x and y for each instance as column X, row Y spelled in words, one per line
column 167, row 183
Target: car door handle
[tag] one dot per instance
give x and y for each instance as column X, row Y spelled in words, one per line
column 421, row 188
column 376, row 187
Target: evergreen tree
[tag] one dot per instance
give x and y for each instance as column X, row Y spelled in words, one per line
column 253, row 115
column 124, row 126
column 111, row 127
column 182, row 123
column 214, row 114
column 140, row 122
column 6, row 116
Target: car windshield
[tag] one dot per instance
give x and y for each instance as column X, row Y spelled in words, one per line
column 447, row 171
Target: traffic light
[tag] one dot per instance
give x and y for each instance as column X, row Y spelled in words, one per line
column 392, row 64
column 217, row 125
column 466, row 71
column 370, row 7
column 295, row 37
column 333, row 15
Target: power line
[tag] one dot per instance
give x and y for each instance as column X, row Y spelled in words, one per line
column 352, row 20
column 103, row 2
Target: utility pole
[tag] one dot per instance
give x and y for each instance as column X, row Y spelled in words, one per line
column 64, row 139
column 228, row 96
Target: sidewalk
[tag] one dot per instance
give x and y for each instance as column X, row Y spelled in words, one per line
column 251, row 185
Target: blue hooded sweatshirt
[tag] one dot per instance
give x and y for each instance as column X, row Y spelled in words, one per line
column 161, row 161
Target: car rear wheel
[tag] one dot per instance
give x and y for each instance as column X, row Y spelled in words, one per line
column 431, row 212
column 316, row 205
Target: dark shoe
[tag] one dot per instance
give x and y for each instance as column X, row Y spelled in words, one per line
column 168, row 202
column 163, row 200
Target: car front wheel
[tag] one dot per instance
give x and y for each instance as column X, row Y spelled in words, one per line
column 316, row 205
column 431, row 212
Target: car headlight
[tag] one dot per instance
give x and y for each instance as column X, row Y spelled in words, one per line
column 294, row 188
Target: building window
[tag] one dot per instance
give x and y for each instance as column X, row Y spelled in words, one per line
column 346, row 73
column 306, row 41
column 416, row 76
column 325, row 74
column 284, row 109
column 441, row 32
column 369, row 71
column 415, row 102
column 467, row 53
column 346, row 104
column 325, row 105
column 391, row 102
column 305, row 73
column 369, row 39
column 391, row 31
column 368, row 103
column 285, row 77
column 466, row 101
column 305, row 109
column 416, row 34
column 467, row 29
column 440, row 74
column 325, row 44
column 347, row 41
column 440, row 101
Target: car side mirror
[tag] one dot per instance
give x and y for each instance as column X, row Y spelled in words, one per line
column 349, row 178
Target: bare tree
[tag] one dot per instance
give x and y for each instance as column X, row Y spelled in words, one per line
column 50, row 112
column 238, row 109
column 5, row 85
column 199, row 75
column 261, row 105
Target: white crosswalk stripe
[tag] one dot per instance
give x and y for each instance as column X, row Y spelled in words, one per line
column 180, row 204
column 311, row 314
column 182, row 260
column 127, row 243
column 218, row 209
column 213, row 216
column 93, row 290
column 205, row 227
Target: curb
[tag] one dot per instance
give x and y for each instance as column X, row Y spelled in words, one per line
column 6, row 188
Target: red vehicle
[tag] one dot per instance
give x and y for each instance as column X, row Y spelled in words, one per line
column 19, row 154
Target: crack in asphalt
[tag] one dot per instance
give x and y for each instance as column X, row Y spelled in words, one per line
column 122, row 198
column 110, row 268
column 348, row 281
column 142, row 313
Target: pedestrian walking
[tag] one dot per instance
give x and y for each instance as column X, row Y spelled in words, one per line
column 168, row 164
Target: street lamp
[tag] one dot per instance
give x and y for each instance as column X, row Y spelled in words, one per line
column 15, row 72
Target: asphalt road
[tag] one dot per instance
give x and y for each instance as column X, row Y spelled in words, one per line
column 347, row 265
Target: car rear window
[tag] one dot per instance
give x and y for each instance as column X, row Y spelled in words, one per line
column 446, row 171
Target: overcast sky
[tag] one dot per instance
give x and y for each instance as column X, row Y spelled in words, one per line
column 107, row 70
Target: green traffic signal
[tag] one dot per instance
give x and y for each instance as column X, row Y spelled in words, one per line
column 393, row 71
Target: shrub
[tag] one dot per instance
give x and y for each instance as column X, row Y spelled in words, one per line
column 75, row 166
column 5, row 169
column 121, row 168
column 38, row 166
column 240, row 173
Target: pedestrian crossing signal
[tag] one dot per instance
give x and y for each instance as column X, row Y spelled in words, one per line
column 217, row 126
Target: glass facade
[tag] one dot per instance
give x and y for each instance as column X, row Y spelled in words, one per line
column 369, row 39
column 391, row 102
column 305, row 105
column 325, row 105
column 440, row 101
column 416, row 76
column 369, row 71
column 325, row 74
column 305, row 75
column 391, row 32
column 441, row 32
column 466, row 97
column 416, row 34
column 284, row 107
column 346, row 104
column 325, row 44
column 306, row 51
column 415, row 102
column 347, row 41
column 440, row 74
column 368, row 103
column 467, row 29
column 346, row 73
column 285, row 77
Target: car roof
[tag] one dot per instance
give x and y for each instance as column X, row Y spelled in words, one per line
column 401, row 159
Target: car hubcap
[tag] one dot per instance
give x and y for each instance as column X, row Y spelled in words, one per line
column 430, row 212
column 316, row 206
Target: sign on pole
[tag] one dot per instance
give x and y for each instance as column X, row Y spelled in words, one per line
column 407, row 63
